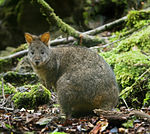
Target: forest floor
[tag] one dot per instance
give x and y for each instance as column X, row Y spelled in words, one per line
column 47, row 119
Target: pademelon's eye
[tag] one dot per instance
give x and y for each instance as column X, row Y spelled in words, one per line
column 32, row 52
column 42, row 52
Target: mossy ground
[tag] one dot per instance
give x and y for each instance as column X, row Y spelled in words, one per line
column 37, row 95
column 19, row 79
column 8, row 89
column 130, row 60
column 136, row 19
column 27, row 96
column 138, row 39
column 129, row 67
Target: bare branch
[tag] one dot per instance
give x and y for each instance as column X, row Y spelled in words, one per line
column 106, row 26
column 17, row 54
column 124, row 115
column 6, row 109
column 62, row 41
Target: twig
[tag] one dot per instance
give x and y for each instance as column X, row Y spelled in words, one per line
column 124, row 91
column 5, row 108
column 62, row 41
column 141, row 115
column 3, row 92
column 106, row 26
column 115, row 115
column 7, row 99
column 125, row 103
column 112, row 115
column 108, row 44
column 17, row 54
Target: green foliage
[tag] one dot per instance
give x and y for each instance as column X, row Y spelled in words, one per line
column 128, row 67
column 140, row 39
column 139, row 30
column 128, row 124
column 37, row 96
column 1, row 2
column 134, row 17
column 7, row 88
column 130, row 59
column 8, row 126
column 146, row 101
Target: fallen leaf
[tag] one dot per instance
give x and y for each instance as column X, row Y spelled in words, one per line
column 100, row 127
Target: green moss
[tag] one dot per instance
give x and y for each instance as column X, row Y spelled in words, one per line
column 5, row 64
column 129, row 67
column 136, row 33
column 130, row 61
column 146, row 101
column 38, row 95
column 18, row 79
column 134, row 17
column 140, row 39
column 7, row 88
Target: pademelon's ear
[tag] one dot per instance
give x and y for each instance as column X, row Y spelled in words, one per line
column 28, row 38
column 45, row 37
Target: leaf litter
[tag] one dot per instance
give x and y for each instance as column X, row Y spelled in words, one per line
column 48, row 119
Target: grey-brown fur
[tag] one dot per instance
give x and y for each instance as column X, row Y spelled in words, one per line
column 82, row 79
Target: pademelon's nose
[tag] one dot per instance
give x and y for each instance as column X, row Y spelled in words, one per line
column 37, row 62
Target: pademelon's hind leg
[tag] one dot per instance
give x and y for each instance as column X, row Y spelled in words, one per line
column 72, row 100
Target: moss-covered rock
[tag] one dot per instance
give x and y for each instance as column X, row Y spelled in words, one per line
column 129, row 68
column 19, row 79
column 38, row 95
column 130, row 59
column 140, row 39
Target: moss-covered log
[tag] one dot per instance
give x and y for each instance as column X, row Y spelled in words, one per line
column 132, row 73
column 51, row 16
column 17, row 78
column 38, row 95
